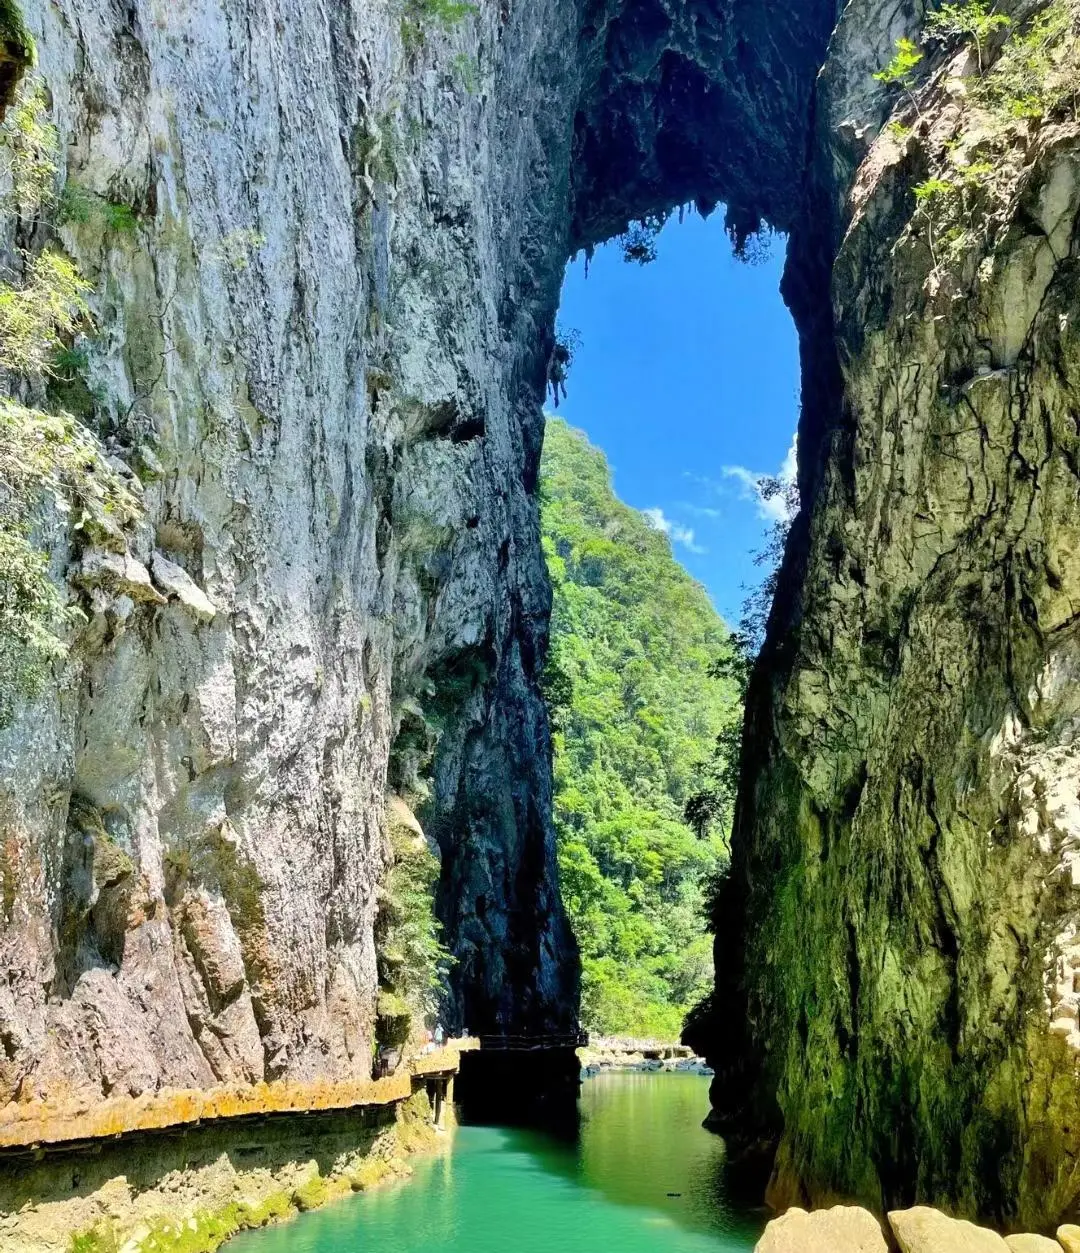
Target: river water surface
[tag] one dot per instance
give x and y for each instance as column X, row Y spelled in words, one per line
column 640, row 1176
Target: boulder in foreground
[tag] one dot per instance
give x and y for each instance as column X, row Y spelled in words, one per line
column 926, row 1230
column 1032, row 1244
column 843, row 1229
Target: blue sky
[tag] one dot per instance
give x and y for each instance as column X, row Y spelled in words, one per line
column 687, row 377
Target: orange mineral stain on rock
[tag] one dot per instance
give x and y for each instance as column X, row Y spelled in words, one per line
column 46, row 1123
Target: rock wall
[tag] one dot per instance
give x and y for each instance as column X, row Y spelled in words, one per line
column 321, row 351
column 897, row 939
column 319, row 355
column 195, row 1190
column 322, row 348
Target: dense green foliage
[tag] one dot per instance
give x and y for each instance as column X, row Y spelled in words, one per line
column 1025, row 71
column 50, row 464
column 966, row 19
column 413, row 962
column 638, row 704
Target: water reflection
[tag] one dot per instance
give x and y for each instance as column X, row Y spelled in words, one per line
column 642, row 1143
column 508, row 1188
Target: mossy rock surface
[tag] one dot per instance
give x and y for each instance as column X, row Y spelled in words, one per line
column 18, row 43
column 17, row 52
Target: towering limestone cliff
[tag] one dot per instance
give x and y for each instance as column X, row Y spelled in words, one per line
column 899, row 934
column 324, row 245
column 318, row 344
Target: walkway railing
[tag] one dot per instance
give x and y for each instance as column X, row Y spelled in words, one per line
column 533, row 1043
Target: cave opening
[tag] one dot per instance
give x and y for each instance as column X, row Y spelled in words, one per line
column 685, row 376
column 711, row 107
column 686, row 373
column 706, row 114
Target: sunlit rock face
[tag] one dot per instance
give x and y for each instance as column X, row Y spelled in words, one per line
column 322, row 350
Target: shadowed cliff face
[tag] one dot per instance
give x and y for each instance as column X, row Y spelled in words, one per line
column 695, row 103
column 896, row 1002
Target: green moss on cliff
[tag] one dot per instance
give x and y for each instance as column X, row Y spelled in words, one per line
column 311, row 1194
column 17, row 44
column 206, row 1230
column 413, row 962
column 359, row 1162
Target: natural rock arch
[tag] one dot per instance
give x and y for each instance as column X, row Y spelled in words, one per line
column 898, row 929
column 346, row 427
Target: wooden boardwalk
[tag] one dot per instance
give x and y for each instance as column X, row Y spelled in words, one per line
column 46, row 1125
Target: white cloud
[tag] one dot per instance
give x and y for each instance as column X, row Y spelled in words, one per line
column 790, row 469
column 702, row 511
column 773, row 508
column 677, row 533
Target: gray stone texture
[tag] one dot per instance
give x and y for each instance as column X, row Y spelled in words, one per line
column 324, row 349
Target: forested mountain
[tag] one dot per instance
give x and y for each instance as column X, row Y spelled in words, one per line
column 636, row 715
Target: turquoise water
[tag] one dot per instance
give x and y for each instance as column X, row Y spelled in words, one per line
column 506, row 1190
